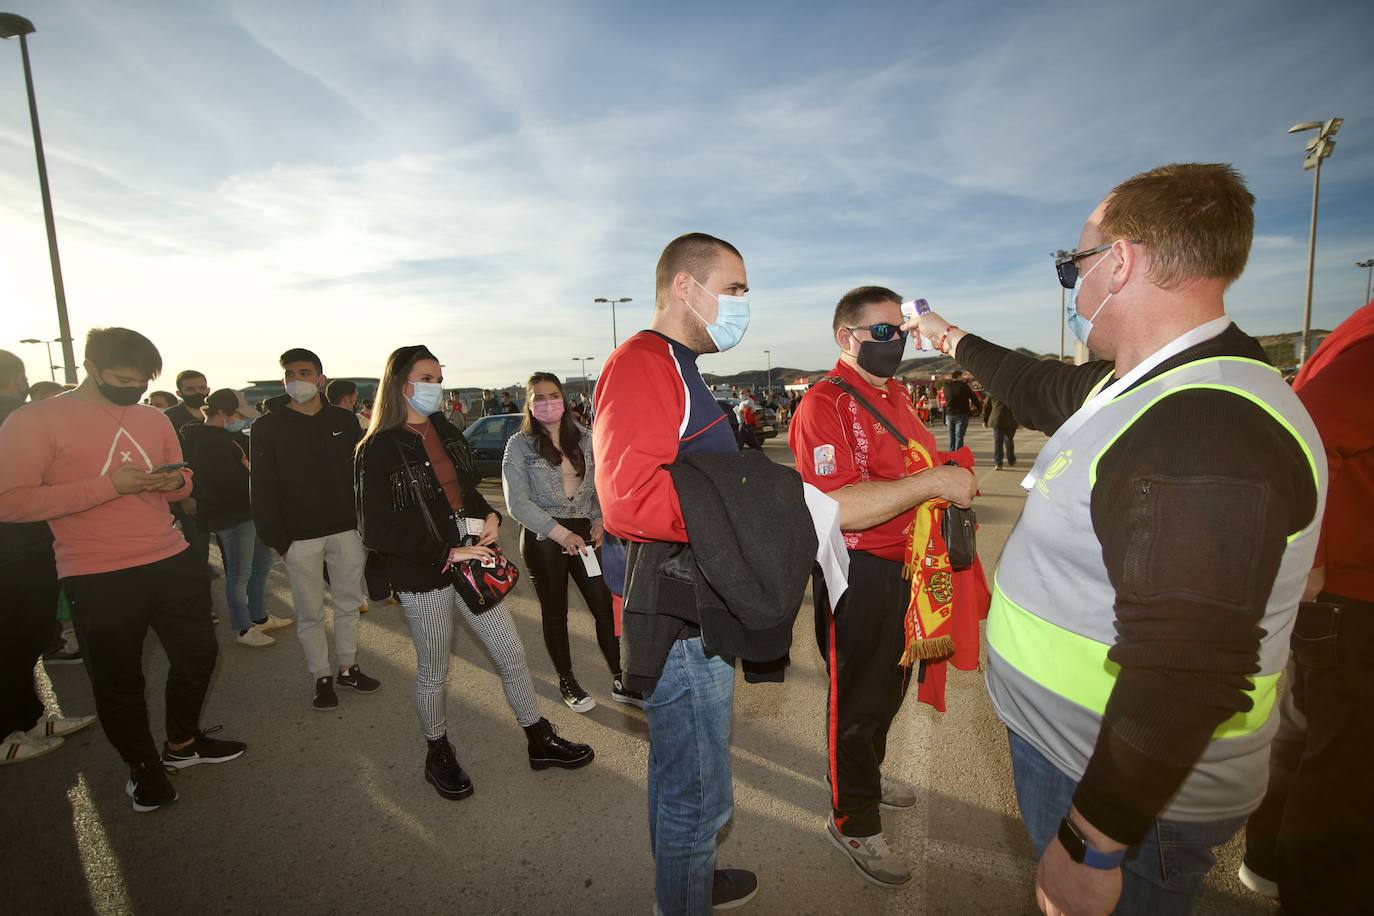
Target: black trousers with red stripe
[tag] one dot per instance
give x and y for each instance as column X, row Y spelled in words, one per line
column 861, row 642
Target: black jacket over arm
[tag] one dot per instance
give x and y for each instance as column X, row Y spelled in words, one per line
column 1193, row 505
column 741, row 576
column 389, row 468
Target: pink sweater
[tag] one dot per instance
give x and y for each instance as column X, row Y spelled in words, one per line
column 56, row 457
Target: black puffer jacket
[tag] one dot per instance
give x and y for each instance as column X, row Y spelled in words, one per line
column 392, row 468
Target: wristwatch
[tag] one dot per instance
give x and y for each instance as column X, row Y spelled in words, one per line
column 1082, row 853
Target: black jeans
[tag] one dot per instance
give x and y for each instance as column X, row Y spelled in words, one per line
column 549, row 568
column 28, row 581
column 112, row 612
column 861, row 642
column 1314, row 831
column 1003, row 447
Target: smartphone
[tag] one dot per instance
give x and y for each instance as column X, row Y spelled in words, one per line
column 168, row 468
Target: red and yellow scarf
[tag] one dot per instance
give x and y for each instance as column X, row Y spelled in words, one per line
column 930, row 612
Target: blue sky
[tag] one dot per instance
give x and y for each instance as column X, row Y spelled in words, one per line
column 235, row 178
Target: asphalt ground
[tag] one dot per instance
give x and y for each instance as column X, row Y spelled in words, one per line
column 328, row 812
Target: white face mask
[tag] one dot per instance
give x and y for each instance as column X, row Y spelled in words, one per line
column 302, row 392
column 427, row 397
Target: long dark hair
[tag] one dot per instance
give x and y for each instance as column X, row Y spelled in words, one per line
column 569, row 433
column 389, row 404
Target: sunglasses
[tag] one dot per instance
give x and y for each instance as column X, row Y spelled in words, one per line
column 1067, row 266
column 881, row 332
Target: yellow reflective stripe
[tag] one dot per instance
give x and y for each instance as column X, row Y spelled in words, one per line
column 1101, row 383
column 1076, row 667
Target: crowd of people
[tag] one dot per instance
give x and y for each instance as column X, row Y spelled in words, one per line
column 1137, row 624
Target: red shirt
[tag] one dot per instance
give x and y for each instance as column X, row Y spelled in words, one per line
column 442, row 464
column 837, row 442
column 1335, row 386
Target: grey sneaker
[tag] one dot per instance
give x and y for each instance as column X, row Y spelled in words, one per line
column 897, row 795
column 871, row 857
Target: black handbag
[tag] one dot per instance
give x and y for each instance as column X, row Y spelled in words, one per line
column 958, row 526
column 481, row 587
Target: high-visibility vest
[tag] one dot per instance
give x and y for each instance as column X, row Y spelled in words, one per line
column 1053, row 615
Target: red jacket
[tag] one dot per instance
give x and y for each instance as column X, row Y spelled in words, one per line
column 1337, row 387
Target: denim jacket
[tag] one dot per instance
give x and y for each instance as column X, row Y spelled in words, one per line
column 534, row 488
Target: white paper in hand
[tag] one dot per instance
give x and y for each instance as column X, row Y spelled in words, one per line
column 589, row 561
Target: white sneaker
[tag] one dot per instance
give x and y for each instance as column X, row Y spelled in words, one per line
column 55, row 726
column 20, row 746
column 1258, row 883
column 897, row 795
column 255, row 638
column 274, row 623
column 871, row 856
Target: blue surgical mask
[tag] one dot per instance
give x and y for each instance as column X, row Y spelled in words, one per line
column 427, row 397
column 1080, row 326
column 237, row 426
column 732, row 319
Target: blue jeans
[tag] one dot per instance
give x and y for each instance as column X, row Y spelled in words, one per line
column 690, row 791
column 247, row 562
column 1160, row 877
column 958, row 425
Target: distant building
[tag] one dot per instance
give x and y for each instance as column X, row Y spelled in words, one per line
column 1282, row 349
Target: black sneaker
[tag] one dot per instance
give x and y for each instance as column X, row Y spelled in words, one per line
column 621, row 695
column 149, row 787
column 573, row 694
column 360, row 682
column 324, row 694
column 203, row 749
column 732, row 887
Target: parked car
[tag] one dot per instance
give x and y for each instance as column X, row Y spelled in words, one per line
column 768, row 418
column 488, row 437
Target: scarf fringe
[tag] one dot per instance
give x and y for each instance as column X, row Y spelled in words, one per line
column 927, row 649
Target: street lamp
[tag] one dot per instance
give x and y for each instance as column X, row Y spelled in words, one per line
column 1061, row 253
column 615, row 340
column 1369, row 279
column 586, row 385
column 12, row 26
column 769, row 354
column 52, row 369
column 1318, row 148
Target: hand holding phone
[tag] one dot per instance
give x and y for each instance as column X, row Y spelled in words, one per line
column 169, row 468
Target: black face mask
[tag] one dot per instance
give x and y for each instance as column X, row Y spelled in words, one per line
column 124, row 397
column 194, row 401
column 881, row 358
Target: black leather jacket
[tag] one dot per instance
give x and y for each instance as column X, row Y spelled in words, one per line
column 393, row 474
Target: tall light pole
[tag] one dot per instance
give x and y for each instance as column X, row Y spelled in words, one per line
column 615, row 339
column 1369, row 279
column 1318, row 148
column 1062, row 304
column 769, row 354
column 52, row 369
column 586, row 385
column 12, row 26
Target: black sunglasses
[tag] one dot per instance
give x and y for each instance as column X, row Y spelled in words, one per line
column 1067, row 266
column 881, row 332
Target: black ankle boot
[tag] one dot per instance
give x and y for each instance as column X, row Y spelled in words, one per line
column 549, row 750
column 443, row 772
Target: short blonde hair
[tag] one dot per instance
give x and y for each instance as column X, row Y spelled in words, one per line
column 1197, row 219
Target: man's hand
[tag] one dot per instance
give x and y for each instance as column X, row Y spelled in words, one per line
column 933, row 326
column 129, row 480
column 167, row 482
column 951, row 482
column 1063, row 886
column 188, row 506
